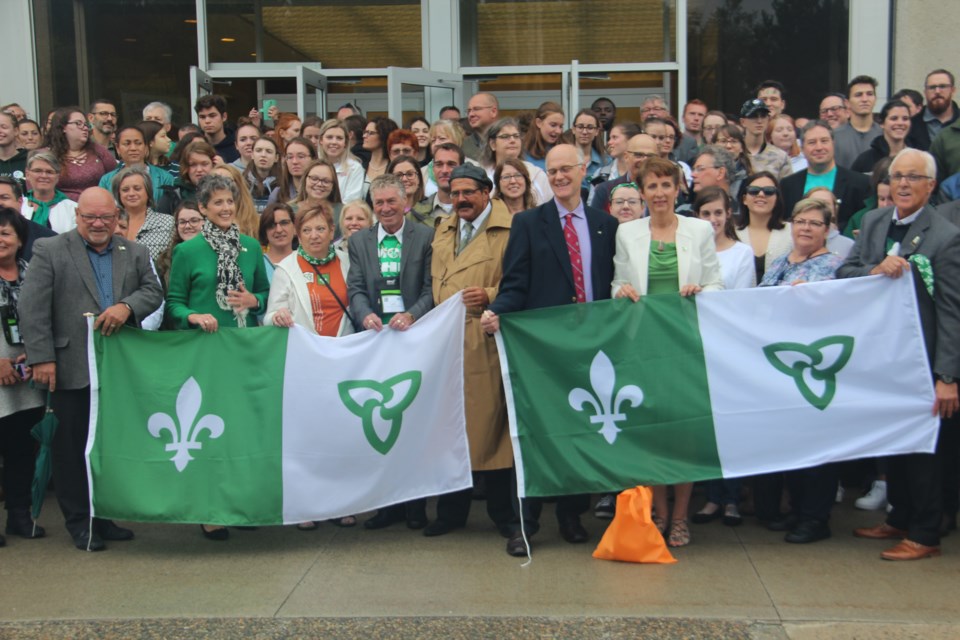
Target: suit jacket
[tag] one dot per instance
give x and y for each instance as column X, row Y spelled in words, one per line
column 536, row 265
column 415, row 258
column 697, row 261
column 932, row 236
column 289, row 291
column 59, row 288
column 850, row 187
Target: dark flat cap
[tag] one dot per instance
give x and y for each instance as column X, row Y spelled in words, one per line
column 475, row 173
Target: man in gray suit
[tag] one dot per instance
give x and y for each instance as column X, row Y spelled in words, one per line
column 87, row 270
column 925, row 240
column 389, row 282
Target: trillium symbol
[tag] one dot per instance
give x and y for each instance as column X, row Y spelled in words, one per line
column 813, row 367
column 380, row 406
column 606, row 404
column 185, row 439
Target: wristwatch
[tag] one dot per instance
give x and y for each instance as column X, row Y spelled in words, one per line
column 945, row 379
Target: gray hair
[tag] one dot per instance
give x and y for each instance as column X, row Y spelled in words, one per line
column 487, row 158
column 167, row 111
column 929, row 164
column 214, row 182
column 126, row 172
column 46, row 155
column 813, row 204
column 812, row 124
column 721, row 158
column 654, row 98
column 387, row 181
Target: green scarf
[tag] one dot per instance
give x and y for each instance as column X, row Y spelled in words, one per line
column 331, row 254
column 41, row 214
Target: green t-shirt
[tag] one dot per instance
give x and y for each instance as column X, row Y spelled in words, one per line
column 389, row 252
column 822, row 180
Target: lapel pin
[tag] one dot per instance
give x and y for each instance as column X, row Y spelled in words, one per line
column 915, row 242
column 122, row 248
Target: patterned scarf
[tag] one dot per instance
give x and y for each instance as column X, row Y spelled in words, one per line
column 226, row 244
column 10, row 291
column 331, row 254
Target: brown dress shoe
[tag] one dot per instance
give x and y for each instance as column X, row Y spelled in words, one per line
column 882, row 531
column 910, row 550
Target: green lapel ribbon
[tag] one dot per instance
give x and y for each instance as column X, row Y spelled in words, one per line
column 925, row 269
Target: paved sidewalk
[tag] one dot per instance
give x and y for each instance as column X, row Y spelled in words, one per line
column 280, row 582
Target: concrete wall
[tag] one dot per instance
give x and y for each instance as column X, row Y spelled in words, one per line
column 926, row 37
column 19, row 71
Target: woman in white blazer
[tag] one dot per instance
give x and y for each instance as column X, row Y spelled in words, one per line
column 762, row 223
column 309, row 286
column 665, row 253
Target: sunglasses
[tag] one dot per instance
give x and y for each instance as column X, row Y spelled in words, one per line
column 767, row 191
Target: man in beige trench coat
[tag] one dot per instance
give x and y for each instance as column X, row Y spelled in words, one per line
column 468, row 256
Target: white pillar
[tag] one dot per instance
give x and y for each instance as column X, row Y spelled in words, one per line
column 20, row 67
column 440, row 36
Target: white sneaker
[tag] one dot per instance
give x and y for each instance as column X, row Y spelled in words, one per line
column 840, row 492
column 875, row 499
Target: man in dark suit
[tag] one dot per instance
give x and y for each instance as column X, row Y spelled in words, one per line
column 87, row 270
column 913, row 480
column 850, row 187
column 389, row 282
column 639, row 148
column 558, row 253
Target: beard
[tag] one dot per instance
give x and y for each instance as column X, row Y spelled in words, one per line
column 942, row 104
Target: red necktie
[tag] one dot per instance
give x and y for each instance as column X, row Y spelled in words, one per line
column 573, row 248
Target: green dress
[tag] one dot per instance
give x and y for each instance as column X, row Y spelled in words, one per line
column 193, row 281
column 663, row 276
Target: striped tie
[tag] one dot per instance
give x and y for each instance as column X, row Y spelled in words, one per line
column 573, row 248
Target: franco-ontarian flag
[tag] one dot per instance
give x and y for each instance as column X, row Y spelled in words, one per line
column 613, row 394
column 269, row 425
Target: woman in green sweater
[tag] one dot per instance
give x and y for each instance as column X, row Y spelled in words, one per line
column 218, row 277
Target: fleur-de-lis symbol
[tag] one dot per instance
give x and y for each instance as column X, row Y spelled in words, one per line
column 185, row 440
column 606, row 405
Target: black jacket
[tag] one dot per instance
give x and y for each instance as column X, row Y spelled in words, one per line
column 850, row 187
column 918, row 138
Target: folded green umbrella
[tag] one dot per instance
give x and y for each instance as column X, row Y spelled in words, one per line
column 43, row 431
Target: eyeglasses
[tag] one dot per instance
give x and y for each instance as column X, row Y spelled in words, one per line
column 726, row 141
column 585, row 127
column 619, row 202
column 464, row 193
column 106, row 114
column 189, row 222
column 640, row 155
column 511, row 177
column 105, row 219
column 475, row 109
column 939, row 87
column 323, row 182
column 405, row 175
column 80, row 124
column 767, row 191
column 829, row 110
column 43, row 172
column 813, row 224
column 508, row 136
column 912, row 178
column 369, row 133
column 565, row 170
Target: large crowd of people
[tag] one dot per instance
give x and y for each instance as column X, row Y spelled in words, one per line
column 351, row 224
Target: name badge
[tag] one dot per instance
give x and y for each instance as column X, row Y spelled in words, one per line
column 392, row 303
column 309, row 278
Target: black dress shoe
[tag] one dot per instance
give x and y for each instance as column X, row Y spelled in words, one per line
column 808, row 531
column 572, row 531
column 84, row 541
column 440, row 528
column 383, row 518
column 107, row 530
column 19, row 523
column 786, row 523
column 516, row 546
column 219, row 534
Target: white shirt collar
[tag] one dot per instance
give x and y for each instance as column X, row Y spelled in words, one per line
column 479, row 220
column 908, row 220
column 382, row 233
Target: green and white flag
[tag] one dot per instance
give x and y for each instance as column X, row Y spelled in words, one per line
column 613, row 394
column 269, row 425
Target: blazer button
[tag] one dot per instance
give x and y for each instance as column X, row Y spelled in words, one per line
column 573, row 299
